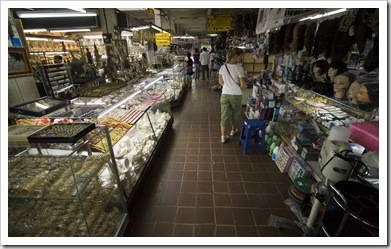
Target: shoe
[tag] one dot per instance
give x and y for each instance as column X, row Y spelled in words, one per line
column 233, row 133
column 224, row 139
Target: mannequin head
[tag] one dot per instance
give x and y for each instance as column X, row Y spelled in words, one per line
column 336, row 67
column 319, row 69
column 352, row 92
column 368, row 96
column 342, row 83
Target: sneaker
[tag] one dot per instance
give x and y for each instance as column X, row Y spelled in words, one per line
column 224, row 139
column 233, row 133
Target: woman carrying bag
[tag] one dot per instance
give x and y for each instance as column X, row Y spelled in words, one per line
column 189, row 70
column 231, row 78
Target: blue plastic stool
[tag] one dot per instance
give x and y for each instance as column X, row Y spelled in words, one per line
column 250, row 130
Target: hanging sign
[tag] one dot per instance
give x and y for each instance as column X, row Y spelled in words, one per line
column 216, row 23
column 162, row 39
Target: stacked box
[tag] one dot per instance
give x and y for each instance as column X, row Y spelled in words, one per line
column 284, row 158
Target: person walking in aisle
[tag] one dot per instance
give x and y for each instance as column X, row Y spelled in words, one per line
column 204, row 59
column 197, row 65
column 189, row 70
column 231, row 78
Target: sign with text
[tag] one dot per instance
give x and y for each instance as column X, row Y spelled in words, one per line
column 162, row 39
column 216, row 23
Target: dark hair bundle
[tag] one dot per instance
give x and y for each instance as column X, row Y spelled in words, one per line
column 288, row 36
column 309, row 37
column 372, row 59
column 324, row 36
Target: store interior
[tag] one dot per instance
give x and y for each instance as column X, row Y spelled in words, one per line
column 107, row 138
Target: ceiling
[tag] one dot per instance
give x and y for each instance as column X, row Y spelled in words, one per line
column 192, row 21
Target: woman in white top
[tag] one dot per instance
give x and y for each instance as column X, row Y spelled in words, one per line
column 231, row 77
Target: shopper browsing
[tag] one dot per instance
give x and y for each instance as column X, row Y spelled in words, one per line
column 204, row 59
column 189, row 70
column 197, row 65
column 231, row 78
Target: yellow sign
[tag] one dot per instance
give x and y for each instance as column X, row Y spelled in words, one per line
column 163, row 42
column 215, row 23
column 162, row 39
column 150, row 11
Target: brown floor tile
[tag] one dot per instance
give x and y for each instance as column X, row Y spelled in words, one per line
column 191, row 166
column 190, row 176
column 252, row 187
column 220, row 187
column 205, row 187
column 169, row 199
column 243, row 216
column 163, row 230
column 268, row 231
column 218, row 167
column 236, row 187
column 219, row 176
column 232, row 167
column 142, row 230
column 189, row 187
column 240, row 200
column 224, row 216
column 261, row 216
column 174, row 186
column 234, row 176
column 187, row 199
column 182, row 230
column 225, row 231
column 222, row 200
column 204, row 230
column 246, row 231
column 185, row 215
column 175, row 175
column 166, row 214
column 205, row 166
column 204, row 176
column 257, row 200
column 204, row 215
column 204, row 200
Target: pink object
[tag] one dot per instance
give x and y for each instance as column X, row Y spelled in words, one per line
column 365, row 134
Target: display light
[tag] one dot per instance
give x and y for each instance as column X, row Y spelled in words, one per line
column 53, row 14
column 69, row 30
column 323, row 15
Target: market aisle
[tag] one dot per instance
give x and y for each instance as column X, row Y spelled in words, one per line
column 200, row 187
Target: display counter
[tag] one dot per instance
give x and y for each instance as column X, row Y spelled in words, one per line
column 137, row 117
column 60, row 185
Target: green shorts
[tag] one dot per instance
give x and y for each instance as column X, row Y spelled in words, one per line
column 231, row 106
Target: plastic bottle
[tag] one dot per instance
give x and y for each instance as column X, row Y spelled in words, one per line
column 271, row 148
column 275, row 152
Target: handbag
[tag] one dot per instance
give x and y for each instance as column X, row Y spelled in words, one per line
column 231, row 75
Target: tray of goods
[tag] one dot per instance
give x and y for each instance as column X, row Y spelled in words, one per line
column 19, row 133
column 132, row 116
column 117, row 130
column 99, row 90
column 61, row 133
column 39, row 107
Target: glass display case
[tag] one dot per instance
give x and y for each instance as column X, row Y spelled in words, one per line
column 60, row 185
column 306, row 118
column 137, row 117
column 176, row 88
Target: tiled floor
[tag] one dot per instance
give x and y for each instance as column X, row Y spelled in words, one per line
column 201, row 188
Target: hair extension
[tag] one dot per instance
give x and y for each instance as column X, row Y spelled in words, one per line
column 363, row 32
column 309, row 37
column 340, row 66
column 288, row 36
column 324, row 36
column 372, row 59
column 301, row 37
column 341, row 45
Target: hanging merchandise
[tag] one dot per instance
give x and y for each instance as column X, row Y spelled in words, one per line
column 298, row 37
column 309, row 37
column 269, row 19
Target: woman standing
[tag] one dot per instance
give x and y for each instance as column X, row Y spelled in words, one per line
column 197, row 64
column 189, row 70
column 231, row 78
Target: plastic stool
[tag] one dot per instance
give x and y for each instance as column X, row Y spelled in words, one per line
column 250, row 130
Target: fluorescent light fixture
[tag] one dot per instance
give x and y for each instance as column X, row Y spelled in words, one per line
column 213, row 35
column 93, row 37
column 69, row 30
column 183, row 37
column 118, row 104
column 153, row 82
column 34, row 30
column 242, row 47
column 324, row 15
column 54, row 14
column 126, row 33
column 79, row 10
column 65, row 88
column 141, row 27
column 36, row 39
column 62, row 40
column 157, row 28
